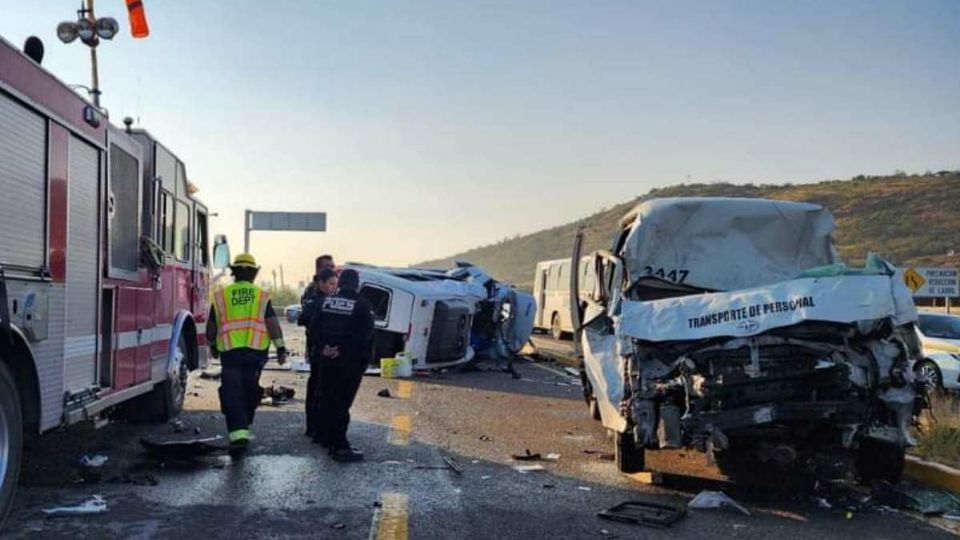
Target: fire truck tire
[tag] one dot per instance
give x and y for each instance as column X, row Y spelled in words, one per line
column 629, row 457
column 11, row 440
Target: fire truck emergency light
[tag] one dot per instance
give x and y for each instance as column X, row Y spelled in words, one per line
column 86, row 30
column 67, row 31
column 107, row 27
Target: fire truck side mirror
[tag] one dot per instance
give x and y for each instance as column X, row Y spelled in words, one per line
column 221, row 252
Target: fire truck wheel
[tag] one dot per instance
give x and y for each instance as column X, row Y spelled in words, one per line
column 11, row 440
column 171, row 392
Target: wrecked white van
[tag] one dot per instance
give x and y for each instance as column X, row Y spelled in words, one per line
column 729, row 326
column 442, row 318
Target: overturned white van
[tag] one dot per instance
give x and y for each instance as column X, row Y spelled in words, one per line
column 730, row 326
column 442, row 318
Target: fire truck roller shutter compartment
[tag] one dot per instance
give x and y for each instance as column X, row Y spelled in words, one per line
column 23, row 185
column 80, row 347
column 23, row 175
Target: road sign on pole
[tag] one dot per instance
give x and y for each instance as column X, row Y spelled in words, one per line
column 932, row 282
column 281, row 221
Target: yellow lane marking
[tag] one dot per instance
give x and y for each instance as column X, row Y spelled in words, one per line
column 400, row 430
column 393, row 522
column 404, row 389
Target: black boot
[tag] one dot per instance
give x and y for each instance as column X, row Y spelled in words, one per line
column 346, row 454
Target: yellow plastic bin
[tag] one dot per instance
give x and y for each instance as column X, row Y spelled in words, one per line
column 388, row 368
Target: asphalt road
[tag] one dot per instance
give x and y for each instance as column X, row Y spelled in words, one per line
column 287, row 488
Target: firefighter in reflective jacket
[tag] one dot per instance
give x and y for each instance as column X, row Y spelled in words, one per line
column 241, row 326
column 342, row 337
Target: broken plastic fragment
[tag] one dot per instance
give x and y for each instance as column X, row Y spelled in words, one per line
column 716, row 499
column 95, row 461
column 96, row 505
column 524, row 469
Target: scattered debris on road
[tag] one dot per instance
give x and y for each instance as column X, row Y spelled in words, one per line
column 96, row 505
column 454, row 466
column 574, row 372
column 183, row 450
column 134, row 479
column 385, row 393
column 448, row 464
column 530, row 456
column 707, row 500
column 524, row 469
column 276, row 395
column 644, row 513
column 211, row 374
column 300, row 366
column 929, row 502
column 526, row 456
column 94, row 462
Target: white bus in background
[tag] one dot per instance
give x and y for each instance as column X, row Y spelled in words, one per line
column 551, row 288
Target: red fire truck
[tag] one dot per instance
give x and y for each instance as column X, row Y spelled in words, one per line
column 104, row 265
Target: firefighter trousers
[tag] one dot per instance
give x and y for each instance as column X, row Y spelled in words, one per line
column 240, row 392
column 339, row 381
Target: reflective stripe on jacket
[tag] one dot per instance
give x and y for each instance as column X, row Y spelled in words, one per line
column 241, row 309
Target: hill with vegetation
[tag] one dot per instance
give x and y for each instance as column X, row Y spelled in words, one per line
column 908, row 219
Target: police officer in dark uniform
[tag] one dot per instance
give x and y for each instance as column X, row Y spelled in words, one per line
column 342, row 335
column 326, row 281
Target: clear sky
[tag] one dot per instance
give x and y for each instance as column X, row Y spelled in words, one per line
column 425, row 127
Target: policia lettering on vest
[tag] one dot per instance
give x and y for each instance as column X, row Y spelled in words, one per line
column 240, row 329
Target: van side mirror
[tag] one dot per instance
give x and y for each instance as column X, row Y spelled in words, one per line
column 221, row 252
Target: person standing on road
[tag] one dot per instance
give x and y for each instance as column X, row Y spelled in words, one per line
column 321, row 263
column 241, row 326
column 326, row 286
column 309, row 300
column 342, row 331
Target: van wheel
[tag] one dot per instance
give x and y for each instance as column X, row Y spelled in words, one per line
column 628, row 456
column 879, row 460
column 555, row 331
column 166, row 399
column 11, row 440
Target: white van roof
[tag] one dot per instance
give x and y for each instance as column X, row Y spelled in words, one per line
column 725, row 244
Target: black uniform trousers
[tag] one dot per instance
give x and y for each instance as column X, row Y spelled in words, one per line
column 312, row 404
column 240, row 392
column 340, row 380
